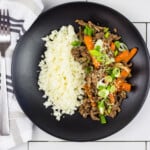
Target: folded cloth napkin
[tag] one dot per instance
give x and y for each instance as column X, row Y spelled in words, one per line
column 22, row 14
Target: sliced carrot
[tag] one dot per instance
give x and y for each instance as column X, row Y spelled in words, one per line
column 124, row 74
column 112, row 46
column 118, row 83
column 121, row 84
column 126, row 87
column 122, row 56
column 132, row 53
column 112, row 98
column 88, row 42
column 95, row 63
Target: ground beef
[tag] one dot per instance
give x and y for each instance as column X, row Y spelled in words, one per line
column 89, row 107
column 81, row 55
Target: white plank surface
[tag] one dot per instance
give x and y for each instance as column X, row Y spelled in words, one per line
column 21, row 147
column 142, row 29
column 148, row 146
column 87, row 145
column 135, row 10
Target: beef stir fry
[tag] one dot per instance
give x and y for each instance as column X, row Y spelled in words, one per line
column 106, row 61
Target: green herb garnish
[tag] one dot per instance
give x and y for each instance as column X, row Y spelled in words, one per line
column 88, row 31
column 76, row 43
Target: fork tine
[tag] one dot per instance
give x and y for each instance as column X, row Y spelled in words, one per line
column 4, row 22
column 4, row 25
column 8, row 22
column 0, row 21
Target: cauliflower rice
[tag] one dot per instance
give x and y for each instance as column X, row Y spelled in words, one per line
column 61, row 78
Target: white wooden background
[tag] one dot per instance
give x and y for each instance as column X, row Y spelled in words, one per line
column 136, row 135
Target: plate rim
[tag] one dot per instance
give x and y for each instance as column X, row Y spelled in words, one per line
column 85, row 139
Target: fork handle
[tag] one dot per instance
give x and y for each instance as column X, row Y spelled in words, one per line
column 4, row 101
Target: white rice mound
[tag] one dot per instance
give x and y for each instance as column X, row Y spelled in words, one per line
column 61, row 77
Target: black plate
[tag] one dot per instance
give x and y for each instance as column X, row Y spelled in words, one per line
column 28, row 54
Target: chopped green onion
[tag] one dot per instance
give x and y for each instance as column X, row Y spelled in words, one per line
column 103, row 119
column 76, row 43
column 108, row 60
column 97, row 48
column 102, row 58
column 106, row 35
column 120, row 46
column 117, row 44
column 116, row 52
column 108, row 87
column 108, row 79
column 103, row 93
column 112, row 89
column 123, row 47
column 109, row 71
column 109, row 109
column 101, row 87
column 101, row 107
column 88, row 31
column 95, row 53
column 99, row 43
column 116, row 72
column 106, row 29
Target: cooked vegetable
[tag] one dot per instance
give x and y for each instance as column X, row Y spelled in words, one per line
column 106, row 35
column 116, row 52
column 112, row 46
column 108, row 79
column 117, row 44
column 124, row 74
column 123, row 47
column 120, row 46
column 88, row 42
column 112, row 98
column 103, row 119
column 105, row 59
column 103, row 93
column 88, row 31
column 131, row 54
column 118, row 83
column 126, row 55
column 95, row 63
column 122, row 56
column 112, row 89
column 116, row 72
column 101, row 107
column 106, row 29
column 126, row 87
column 76, row 43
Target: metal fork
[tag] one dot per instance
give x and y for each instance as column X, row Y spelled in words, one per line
column 4, row 44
